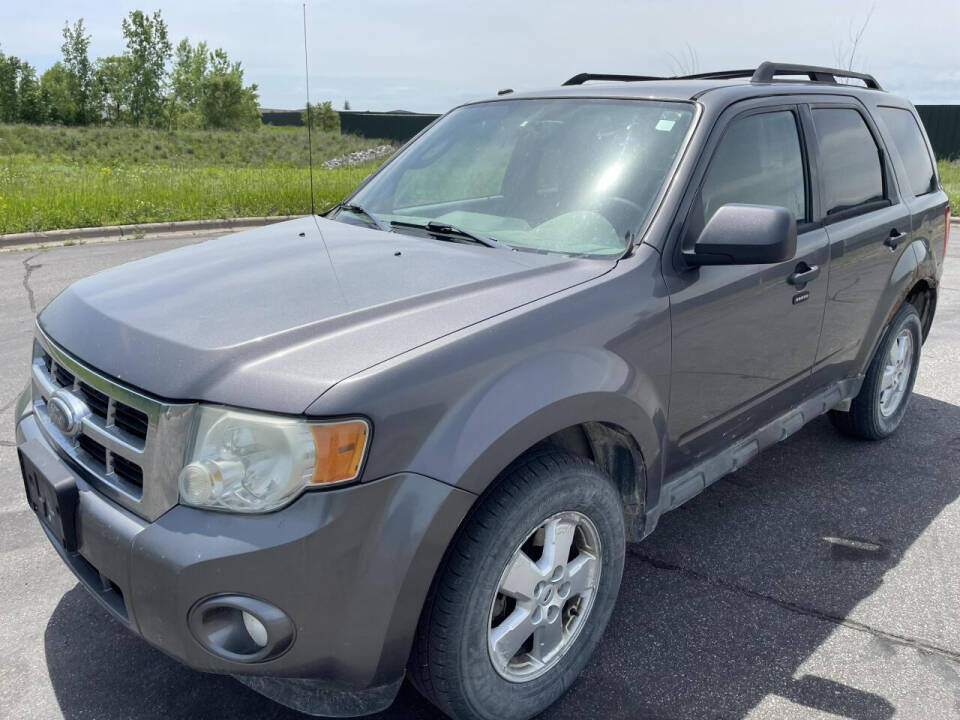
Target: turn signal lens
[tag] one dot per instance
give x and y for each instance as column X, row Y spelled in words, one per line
column 339, row 451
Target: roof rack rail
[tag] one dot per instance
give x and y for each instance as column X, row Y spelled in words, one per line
column 765, row 73
column 768, row 70
column 717, row 75
column 584, row 77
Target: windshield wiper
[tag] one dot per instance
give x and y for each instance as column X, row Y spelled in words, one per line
column 363, row 212
column 436, row 227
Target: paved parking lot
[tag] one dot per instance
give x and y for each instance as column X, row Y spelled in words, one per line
column 823, row 580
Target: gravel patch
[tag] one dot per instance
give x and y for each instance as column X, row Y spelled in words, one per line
column 359, row 157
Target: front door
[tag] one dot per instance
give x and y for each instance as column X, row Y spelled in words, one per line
column 743, row 335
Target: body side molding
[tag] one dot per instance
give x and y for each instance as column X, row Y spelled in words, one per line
column 690, row 483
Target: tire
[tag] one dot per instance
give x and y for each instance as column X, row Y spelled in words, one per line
column 875, row 414
column 452, row 661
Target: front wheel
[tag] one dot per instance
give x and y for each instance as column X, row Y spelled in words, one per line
column 525, row 592
column 882, row 401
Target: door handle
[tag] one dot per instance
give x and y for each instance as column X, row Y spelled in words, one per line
column 804, row 274
column 894, row 239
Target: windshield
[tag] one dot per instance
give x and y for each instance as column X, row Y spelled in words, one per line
column 555, row 175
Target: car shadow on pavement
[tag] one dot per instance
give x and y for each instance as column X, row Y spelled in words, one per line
column 719, row 608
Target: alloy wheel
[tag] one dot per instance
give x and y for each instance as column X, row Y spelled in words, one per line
column 544, row 596
column 896, row 373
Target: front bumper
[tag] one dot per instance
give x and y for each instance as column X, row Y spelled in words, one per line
column 350, row 567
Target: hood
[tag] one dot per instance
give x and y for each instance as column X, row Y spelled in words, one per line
column 271, row 318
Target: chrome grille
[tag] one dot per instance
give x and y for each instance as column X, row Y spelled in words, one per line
column 129, row 446
column 98, row 402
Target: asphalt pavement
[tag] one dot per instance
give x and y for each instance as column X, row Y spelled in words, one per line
column 822, row 580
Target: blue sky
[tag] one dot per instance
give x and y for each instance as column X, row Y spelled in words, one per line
column 429, row 55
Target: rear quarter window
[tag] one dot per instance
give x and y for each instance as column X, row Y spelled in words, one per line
column 850, row 159
column 912, row 148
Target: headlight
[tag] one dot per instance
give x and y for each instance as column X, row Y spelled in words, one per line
column 251, row 463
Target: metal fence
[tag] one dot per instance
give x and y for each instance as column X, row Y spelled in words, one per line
column 943, row 126
column 399, row 127
column 281, row 117
column 390, row 126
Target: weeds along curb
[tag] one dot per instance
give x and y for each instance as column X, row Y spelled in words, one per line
column 130, row 232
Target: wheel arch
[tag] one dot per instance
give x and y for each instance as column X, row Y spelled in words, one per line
column 923, row 296
column 605, row 428
column 906, row 277
column 620, row 411
column 616, row 451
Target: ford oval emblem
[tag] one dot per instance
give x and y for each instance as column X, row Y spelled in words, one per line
column 66, row 412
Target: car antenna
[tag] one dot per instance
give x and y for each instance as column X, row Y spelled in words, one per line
column 306, row 65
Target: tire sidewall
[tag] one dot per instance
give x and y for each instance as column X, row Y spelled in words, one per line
column 906, row 318
column 581, row 488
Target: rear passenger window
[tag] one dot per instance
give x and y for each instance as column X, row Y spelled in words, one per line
column 758, row 162
column 851, row 170
column 912, row 148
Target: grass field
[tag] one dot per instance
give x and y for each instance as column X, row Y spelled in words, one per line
column 950, row 179
column 124, row 146
column 52, row 177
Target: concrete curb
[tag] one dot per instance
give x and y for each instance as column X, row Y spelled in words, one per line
column 122, row 232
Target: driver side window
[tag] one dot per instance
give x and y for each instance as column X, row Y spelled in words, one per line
column 758, row 161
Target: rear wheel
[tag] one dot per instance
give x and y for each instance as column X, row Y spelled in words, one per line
column 882, row 402
column 525, row 592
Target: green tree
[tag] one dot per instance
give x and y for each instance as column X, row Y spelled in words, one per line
column 76, row 59
column 113, row 82
column 225, row 103
column 58, row 93
column 202, row 89
column 322, row 117
column 9, row 96
column 30, row 98
column 190, row 67
column 20, row 97
column 148, row 50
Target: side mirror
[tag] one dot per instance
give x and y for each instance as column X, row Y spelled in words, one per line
column 746, row 235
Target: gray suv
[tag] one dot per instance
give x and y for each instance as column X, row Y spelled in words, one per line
column 411, row 438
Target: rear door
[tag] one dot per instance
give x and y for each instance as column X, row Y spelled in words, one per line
column 743, row 336
column 868, row 226
column 918, row 183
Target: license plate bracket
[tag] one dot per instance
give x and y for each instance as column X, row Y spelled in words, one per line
column 51, row 492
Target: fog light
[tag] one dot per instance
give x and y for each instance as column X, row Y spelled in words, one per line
column 258, row 633
column 240, row 628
